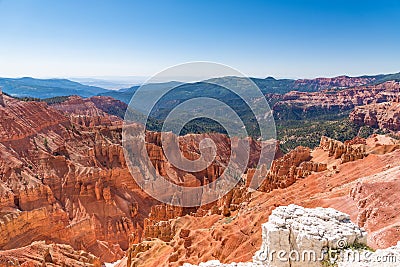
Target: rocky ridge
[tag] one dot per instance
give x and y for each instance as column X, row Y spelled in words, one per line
column 385, row 116
column 296, row 105
column 336, row 82
column 42, row 254
column 94, row 111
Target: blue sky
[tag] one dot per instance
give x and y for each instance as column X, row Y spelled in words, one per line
column 295, row 39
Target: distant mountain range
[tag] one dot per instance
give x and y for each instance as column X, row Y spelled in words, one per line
column 47, row 88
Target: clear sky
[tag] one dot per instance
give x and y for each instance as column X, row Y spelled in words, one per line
column 49, row 38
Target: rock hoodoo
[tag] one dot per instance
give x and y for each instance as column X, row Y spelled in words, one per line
column 346, row 152
column 287, row 169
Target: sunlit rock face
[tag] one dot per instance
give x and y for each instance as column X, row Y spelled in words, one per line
column 42, row 254
column 335, row 82
column 94, row 111
column 65, row 182
column 296, row 105
column 284, row 171
column 385, row 116
column 344, row 151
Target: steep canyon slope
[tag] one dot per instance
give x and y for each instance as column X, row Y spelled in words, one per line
column 63, row 182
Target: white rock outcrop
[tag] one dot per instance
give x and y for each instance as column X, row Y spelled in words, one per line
column 297, row 236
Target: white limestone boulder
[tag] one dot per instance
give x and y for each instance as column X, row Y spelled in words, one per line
column 296, row 236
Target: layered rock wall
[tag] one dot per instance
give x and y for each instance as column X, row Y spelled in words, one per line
column 65, row 183
column 297, row 105
column 384, row 116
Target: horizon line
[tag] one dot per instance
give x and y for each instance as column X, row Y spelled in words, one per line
column 125, row 78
